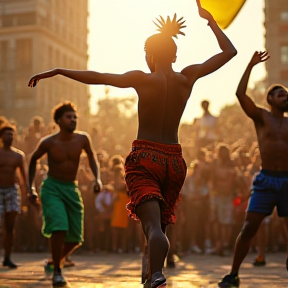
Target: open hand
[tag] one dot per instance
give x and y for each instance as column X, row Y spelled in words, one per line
column 259, row 57
column 203, row 12
column 35, row 79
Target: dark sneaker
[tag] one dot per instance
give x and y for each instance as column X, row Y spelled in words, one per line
column 259, row 261
column 58, row 281
column 8, row 263
column 229, row 281
column 158, row 280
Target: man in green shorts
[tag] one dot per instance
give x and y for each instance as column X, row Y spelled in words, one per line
column 61, row 199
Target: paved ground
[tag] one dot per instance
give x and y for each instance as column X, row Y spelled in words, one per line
column 110, row 270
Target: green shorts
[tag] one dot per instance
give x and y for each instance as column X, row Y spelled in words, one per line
column 62, row 209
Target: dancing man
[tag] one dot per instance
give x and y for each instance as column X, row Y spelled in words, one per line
column 60, row 197
column 155, row 169
column 269, row 188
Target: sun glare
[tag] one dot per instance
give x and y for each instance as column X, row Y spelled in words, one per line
column 118, row 30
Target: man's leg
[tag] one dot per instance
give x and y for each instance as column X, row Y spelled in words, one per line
column 9, row 223
column 286, row 225
column 242, row 245
column 261, row 245
column 171, row 235
column 56, row 246
column 67, row 249
column 158, row 245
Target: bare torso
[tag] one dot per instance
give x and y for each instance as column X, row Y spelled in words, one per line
column 64, row 156
column 10, row 161
column 161, row 105
column 224, row 179
column 272, row 136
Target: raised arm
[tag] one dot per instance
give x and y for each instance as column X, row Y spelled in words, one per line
column 246, row 102
column 194, row 72
column 126, row 80
column 92, row 163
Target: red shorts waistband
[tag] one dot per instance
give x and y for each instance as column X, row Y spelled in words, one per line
column 161, row 147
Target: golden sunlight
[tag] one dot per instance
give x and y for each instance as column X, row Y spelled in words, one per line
column 118, row 30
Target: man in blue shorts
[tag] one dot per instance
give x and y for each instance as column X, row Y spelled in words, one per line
column 270, row 186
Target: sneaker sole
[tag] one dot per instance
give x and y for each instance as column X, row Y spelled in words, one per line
column 162, row 285
column 226, row 285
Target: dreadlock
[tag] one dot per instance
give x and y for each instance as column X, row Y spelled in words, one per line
column 161, row 45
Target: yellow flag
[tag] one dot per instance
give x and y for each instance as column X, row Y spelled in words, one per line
column 223, row 11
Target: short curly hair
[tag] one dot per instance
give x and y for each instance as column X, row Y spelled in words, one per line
column 61, row 109
column 272, row 89
column 6, row 127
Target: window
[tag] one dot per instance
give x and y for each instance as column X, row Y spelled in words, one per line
column 284, row 54
column 284, row 16
column 24, row 54
column 4, row 59
column 26, row 19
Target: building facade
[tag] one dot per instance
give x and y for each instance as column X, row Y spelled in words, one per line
column 36, row 35
column 276, row 24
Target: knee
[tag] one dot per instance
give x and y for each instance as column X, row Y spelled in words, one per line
column 248, row 231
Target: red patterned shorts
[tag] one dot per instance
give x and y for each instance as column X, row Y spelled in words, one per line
column 155, row 171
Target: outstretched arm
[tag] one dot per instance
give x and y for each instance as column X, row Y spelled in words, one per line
column 246, row 102
column 194, row 72
column 126, row 80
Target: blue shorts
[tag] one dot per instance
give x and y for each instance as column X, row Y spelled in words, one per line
column 269, row 189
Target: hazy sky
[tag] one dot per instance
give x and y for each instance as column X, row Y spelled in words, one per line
column 119, row 28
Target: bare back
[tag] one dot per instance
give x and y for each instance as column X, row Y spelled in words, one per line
column 64, row 156
column 162, row 101
column 272, row 137
column 10, row 161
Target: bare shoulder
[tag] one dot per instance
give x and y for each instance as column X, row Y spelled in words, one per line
column 182, row 79
column 17, row 152
column 266, row 114
column 48, row 139
column 82, row 136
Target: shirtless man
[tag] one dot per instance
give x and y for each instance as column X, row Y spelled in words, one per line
column 62, row 205
column 11, row 161
column 155, row 169
column 224, row 184
column 269, row 188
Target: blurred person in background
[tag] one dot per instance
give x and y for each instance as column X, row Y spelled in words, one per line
column 104, row 206
column 206, row 128
column 85, row 180
column 12, row 165
column 224, row 183
column 119, row 219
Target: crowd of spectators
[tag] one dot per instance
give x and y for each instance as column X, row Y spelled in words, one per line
column 214, row 196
